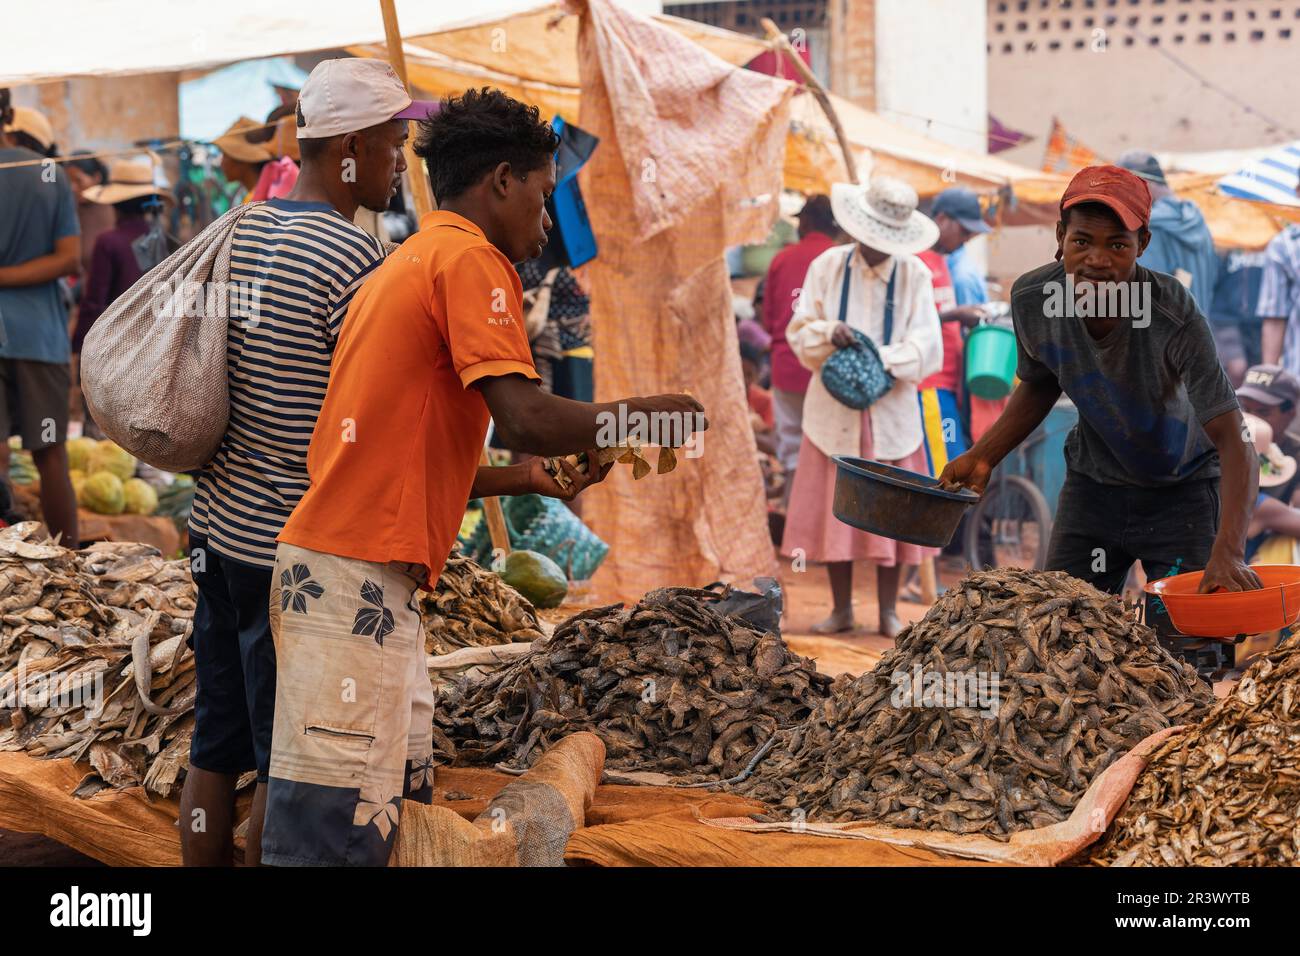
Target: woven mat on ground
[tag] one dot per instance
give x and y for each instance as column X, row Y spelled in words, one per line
column 625, row 825
column 1045, row 846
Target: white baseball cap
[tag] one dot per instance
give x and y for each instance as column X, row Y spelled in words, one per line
column 354, row 93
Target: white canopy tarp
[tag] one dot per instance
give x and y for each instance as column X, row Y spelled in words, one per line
column 40, row 42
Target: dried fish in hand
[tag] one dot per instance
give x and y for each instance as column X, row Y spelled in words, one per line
column 629, row 454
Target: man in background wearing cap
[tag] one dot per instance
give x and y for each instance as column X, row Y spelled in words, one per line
column 1271, row 393
column 781, row 286
column 957, row 213
column 305, row 259
column 39, row 244
column 1181, row 244
column 1159, row 432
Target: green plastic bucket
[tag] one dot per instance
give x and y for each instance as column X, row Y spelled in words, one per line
column 991, row 361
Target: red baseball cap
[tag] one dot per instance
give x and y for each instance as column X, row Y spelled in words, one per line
column 1122, row 191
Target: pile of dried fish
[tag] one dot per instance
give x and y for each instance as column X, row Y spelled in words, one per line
column 670, row 685
column 96, row 665
column 473, row 607
column 991, row 715
column 1226, row 792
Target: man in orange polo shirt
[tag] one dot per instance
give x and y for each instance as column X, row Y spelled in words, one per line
column 434, row 345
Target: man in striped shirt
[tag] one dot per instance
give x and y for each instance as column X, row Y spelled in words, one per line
column 1279, row 301
column 296, row 263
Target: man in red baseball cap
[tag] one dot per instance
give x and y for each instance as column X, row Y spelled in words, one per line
column 1157, row 470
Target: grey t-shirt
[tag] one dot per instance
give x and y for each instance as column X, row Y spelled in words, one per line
column 36, row 210
column 1143, row 394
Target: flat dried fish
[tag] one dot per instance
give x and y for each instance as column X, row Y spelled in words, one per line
column 629, row 454
column 1227, row 791
column 94, row 633
column 472, row 607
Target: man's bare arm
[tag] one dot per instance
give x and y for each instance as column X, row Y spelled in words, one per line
column 531, row 420
column 65, row 260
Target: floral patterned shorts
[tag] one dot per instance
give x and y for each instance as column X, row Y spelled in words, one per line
column 353, row 709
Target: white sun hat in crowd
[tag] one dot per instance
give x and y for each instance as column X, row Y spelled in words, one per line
column 1275, row 466
column 883, row 215
column 127, row 179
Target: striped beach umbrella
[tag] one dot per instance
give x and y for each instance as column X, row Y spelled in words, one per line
column 1273, row 177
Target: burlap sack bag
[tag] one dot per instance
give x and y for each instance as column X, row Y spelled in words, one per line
column 153, row 366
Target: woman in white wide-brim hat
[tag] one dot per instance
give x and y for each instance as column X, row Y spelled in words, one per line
column 889, row 232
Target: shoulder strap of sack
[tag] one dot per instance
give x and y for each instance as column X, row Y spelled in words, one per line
column 844, row 289
column 889, row 303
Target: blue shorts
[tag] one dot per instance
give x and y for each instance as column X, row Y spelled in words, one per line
column 234, row 661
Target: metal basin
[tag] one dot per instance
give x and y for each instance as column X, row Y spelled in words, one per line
column 897, row 504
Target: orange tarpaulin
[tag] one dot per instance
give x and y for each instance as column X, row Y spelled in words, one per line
column 689, row 163
column 533, row 56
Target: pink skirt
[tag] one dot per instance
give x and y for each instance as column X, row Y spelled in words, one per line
column 811, row 528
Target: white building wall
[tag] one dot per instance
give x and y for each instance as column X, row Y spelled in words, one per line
column 932, row 73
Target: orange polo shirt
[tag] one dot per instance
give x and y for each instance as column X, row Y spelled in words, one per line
column 397, row 443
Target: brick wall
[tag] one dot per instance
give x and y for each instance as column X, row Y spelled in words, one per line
column 853, row 50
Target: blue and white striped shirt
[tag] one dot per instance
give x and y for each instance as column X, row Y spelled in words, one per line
column 303, row 261
column 1279, row 291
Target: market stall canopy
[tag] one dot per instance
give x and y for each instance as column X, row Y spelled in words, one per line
column 533, row 56
column 1234, row 223
column 210, row 103
column 1219, row 161
column 1272, row 178
column 117, row 38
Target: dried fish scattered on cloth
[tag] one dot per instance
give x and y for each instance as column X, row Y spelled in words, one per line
column 95, row 661
column 669, row 685
column 472, row 607
column 1227, row 791
column 1030, row 684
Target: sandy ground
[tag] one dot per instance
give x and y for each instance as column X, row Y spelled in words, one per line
column 808, row 600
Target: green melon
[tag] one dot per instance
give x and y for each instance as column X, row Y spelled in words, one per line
column 536, row 577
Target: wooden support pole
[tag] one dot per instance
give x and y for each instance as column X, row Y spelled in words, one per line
column 422, row 196
column 929, row 576
column 814, row 85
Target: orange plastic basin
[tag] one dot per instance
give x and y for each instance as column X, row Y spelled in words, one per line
column 1229, row 613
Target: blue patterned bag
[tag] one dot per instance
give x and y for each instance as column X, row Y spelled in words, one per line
column 854, row 375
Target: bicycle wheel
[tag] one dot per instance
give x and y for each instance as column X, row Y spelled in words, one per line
column 1010, row 527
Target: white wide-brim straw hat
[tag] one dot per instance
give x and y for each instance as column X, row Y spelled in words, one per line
column 883, row 215
column 127, row 179
column 1276, row 467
